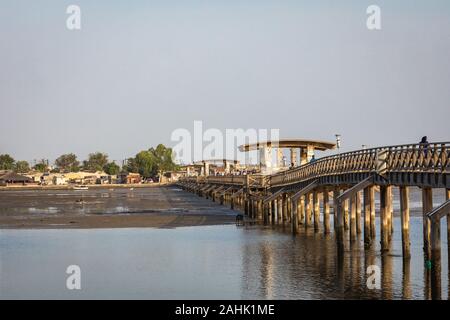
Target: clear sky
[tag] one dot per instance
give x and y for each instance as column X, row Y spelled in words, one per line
column 137, row 70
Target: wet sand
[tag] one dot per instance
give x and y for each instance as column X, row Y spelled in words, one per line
column 159, row 207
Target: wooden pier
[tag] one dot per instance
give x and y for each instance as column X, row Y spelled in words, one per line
column 345, row 185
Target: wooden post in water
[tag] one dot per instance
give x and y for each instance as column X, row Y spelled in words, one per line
column 404, row 216
column 353, row 218
column 384, row 219
column 294, row 217
column 266, row 213
column 367, row 233
column 299, row 211
column 302, row 210
column 390, row 211
column 427, row 205
column 231, row 202
column 285, row 208
column 260, row 210
column 358, row 213
column 435, row 239
column 326, row 211
column 373, row 225
column 346, row 214
column 338, row 209
column 336, row 193
column 447, row 197
column 280, row 210
column 316, row 210
column 308, row 203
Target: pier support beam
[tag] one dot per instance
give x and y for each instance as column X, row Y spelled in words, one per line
column 316, row 211
column 346, row 214
column 353, row 218
column 358, row 213
column 390, row 211
column 326, row 211
column 367, row 206
column 427, row 205
column 308, row 204
column 280, row 209
column 447, row 197
column 294, row 216
column 404, row 211
column 384, row 219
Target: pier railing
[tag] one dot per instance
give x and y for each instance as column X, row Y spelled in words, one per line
column 432, row 157
column 410, row 158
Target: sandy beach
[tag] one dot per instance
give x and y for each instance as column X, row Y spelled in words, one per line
column 159, row 207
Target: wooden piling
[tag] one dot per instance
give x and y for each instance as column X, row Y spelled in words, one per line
column 435, row 239
column 316, row 211
column 308, row 204
column 285, row 208
column 326, row 211
column 373, row 225
column 302, row 210
column 390, row 211
column 339, row 209
column 447, row 197
column 346, row 214
column 367, row 233
column 280, row 210
column 358, row 213
column 384, row 219
column 427, row 205
column 404, row 216
column 294, row 217
column 353, row 218
column 336, row 193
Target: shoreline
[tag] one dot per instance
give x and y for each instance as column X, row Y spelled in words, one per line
column 91, row 186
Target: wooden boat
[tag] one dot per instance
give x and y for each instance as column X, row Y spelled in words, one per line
column 80, row 187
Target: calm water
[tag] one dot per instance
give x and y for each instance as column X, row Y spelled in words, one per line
column 215, row 262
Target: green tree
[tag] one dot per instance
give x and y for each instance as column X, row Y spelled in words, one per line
column 21, row 167
column 164, row 159
column 6, row 162
column 96, row 162
column 111, row 168
column 41, row 167
column 145, row 164
column 68, row 163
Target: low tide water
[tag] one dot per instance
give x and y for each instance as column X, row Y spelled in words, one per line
column 208, row 262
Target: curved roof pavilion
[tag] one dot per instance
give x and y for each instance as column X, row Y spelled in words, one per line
column 290, row 143
column 305, row 147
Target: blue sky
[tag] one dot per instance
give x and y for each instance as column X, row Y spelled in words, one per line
column 140, row 69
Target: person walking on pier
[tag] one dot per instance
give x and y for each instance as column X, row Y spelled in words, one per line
column 424, row 145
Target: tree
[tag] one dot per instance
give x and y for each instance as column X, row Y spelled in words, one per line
column 21, row 167
column 68, row 163
column 163, row 159
column 111, row 168
column 145, row 164
column 96, row 162
column 6, row 162
column 151, row 163
column 41, row 167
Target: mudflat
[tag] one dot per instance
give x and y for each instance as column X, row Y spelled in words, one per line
column 160, row 207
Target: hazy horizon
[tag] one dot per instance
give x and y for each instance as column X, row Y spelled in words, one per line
column 137, row 71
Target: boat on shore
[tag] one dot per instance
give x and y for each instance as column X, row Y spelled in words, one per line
column 80, row 187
